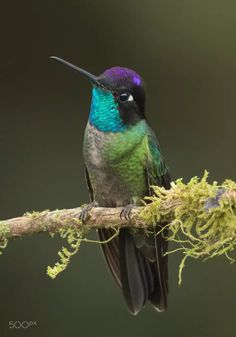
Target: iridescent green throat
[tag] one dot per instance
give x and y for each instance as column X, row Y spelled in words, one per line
column 104, row 112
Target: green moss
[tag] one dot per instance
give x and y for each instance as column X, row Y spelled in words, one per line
column 74, row 238
column 35, row 214
column 204, row 224
column 199, row 217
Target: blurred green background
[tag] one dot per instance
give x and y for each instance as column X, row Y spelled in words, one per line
column 186, row 52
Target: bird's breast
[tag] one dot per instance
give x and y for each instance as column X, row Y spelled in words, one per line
column 115, row 164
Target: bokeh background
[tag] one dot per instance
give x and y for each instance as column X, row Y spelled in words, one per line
column 186, row 52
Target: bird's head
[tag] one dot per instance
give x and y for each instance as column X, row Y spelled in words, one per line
column 118, row 98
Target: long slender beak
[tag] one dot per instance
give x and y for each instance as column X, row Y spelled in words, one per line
column 92, row 79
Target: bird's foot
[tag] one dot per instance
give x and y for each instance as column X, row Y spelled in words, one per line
column 85, row 211
column 125, row 214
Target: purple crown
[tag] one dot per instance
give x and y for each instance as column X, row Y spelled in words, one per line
column 122, row 75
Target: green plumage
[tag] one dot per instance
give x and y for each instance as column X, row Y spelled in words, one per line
column 131, row 158
column 123, row 160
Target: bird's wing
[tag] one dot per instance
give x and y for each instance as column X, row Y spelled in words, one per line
column 157, row 174
column 110, row 249
column 157, row 171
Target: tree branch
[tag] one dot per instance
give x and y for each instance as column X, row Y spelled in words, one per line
column 199, row 217
column 52, row 221
column 166, row 206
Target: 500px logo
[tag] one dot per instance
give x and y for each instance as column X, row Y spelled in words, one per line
column 21, row 324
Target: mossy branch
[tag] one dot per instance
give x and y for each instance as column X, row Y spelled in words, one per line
column 200, row 217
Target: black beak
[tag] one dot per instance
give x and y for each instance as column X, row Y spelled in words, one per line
column 92, row 79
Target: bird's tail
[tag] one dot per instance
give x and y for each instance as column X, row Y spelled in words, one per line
column 141, row 272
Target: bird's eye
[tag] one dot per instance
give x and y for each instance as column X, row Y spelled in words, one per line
column 126, row 96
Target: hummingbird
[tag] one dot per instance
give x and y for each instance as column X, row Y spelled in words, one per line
column 122, row 161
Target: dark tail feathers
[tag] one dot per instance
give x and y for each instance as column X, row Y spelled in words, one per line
column 141, row 279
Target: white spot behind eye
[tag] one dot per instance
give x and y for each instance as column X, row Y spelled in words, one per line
column 130, row 98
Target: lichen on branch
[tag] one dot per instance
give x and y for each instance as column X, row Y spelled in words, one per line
column 199, row 217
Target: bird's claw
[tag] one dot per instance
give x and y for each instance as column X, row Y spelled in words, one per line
column 125, row 214
column 85, row 211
